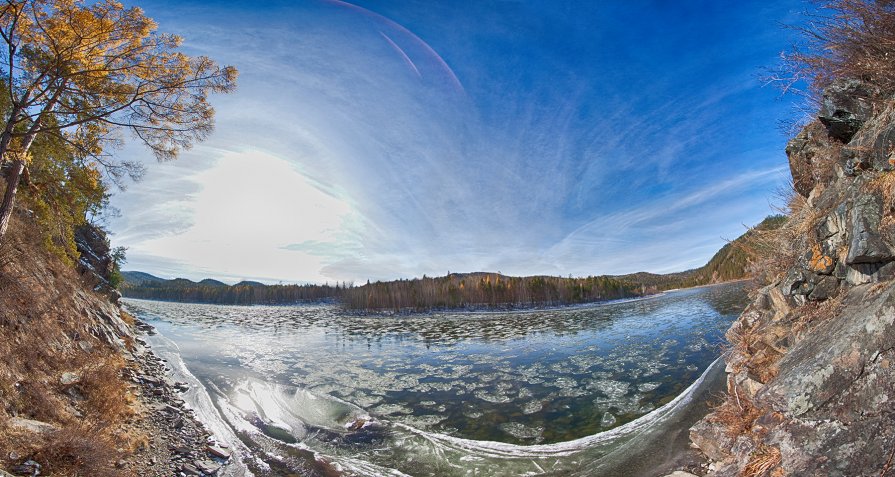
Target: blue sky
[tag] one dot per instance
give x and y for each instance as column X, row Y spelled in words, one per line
column 389, row 139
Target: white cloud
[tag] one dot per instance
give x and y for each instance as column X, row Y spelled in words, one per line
column 248, row 209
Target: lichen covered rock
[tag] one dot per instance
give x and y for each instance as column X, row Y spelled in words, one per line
column 812, row 359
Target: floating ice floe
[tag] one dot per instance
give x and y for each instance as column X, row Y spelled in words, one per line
column 608, row 420
column 490, row 397
column 521, row 431
column 391, row 409
column 610, row 387
column 532, row 407
column 424, row 421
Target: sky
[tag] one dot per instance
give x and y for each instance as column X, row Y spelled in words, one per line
column 391, row 139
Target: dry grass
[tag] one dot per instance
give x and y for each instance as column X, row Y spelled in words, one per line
column 107, row 398
column 814, row 312
column 763, row 460
column 735, row 414
column 128, row 318
column 78, row 451
column 775, row 251
column 42, row 326
column 888, row 465
column 741, row 344
column 884, row 186
column 765, row 364
column 747, row 353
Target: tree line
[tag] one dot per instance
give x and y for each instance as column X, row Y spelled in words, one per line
column 485, row 290
column 239, row 294
column 462, row 290
column 453, row 291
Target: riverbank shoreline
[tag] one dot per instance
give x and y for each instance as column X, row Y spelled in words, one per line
column 177, row 442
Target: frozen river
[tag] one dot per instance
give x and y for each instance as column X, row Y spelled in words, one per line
column 311, row 390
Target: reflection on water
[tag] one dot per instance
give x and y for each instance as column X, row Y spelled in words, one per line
column 535, row 377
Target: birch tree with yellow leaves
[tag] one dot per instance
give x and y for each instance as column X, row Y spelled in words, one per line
column 86, row 72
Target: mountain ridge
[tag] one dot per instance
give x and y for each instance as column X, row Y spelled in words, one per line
column 492, row 290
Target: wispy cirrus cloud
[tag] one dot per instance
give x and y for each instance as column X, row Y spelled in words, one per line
column 511, row 136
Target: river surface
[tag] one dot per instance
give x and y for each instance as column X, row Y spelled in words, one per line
column 311, row 390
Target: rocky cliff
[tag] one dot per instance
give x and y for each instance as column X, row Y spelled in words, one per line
column 811, row 366
column 80, row 393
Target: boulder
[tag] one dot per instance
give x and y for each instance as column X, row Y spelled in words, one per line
column 28, row 468
column 69, row 378
column 31, row 425
column 712, row 440
column 96, row 264
column 218, row 451
column 846, row 105
column 830, row 236
column 796, row 283
column 93, row 245
column 820, row 260
column 809, row 158
column 873, row 147
column 866, row 244
column 190, row 469
column 833, row 391
column 825, row 288
column 858, row 275
column 207, row 467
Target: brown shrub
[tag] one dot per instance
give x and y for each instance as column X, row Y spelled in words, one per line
column 844, row 39
column 812, row 313
column 77, row 451
column 107, row 399
column 884, row 186
column 128, row 318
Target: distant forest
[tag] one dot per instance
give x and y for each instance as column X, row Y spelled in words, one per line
column 458, row 290
column 485, row 290
column 149, row 287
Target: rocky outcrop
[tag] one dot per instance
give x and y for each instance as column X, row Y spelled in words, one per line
column 96, row 264
column 811, row 367
column 808, row 161
column 846, row 106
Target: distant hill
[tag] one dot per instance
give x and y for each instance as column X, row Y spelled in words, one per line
column 731, row 262
column 137, row 278
column 457, row 290
column 249, row 283
column 143, row 285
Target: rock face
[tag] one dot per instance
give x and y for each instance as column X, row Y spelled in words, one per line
column 96, row 264
column 846, row 106
column 81, row 393
column 807, row 160
column 811, row 370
